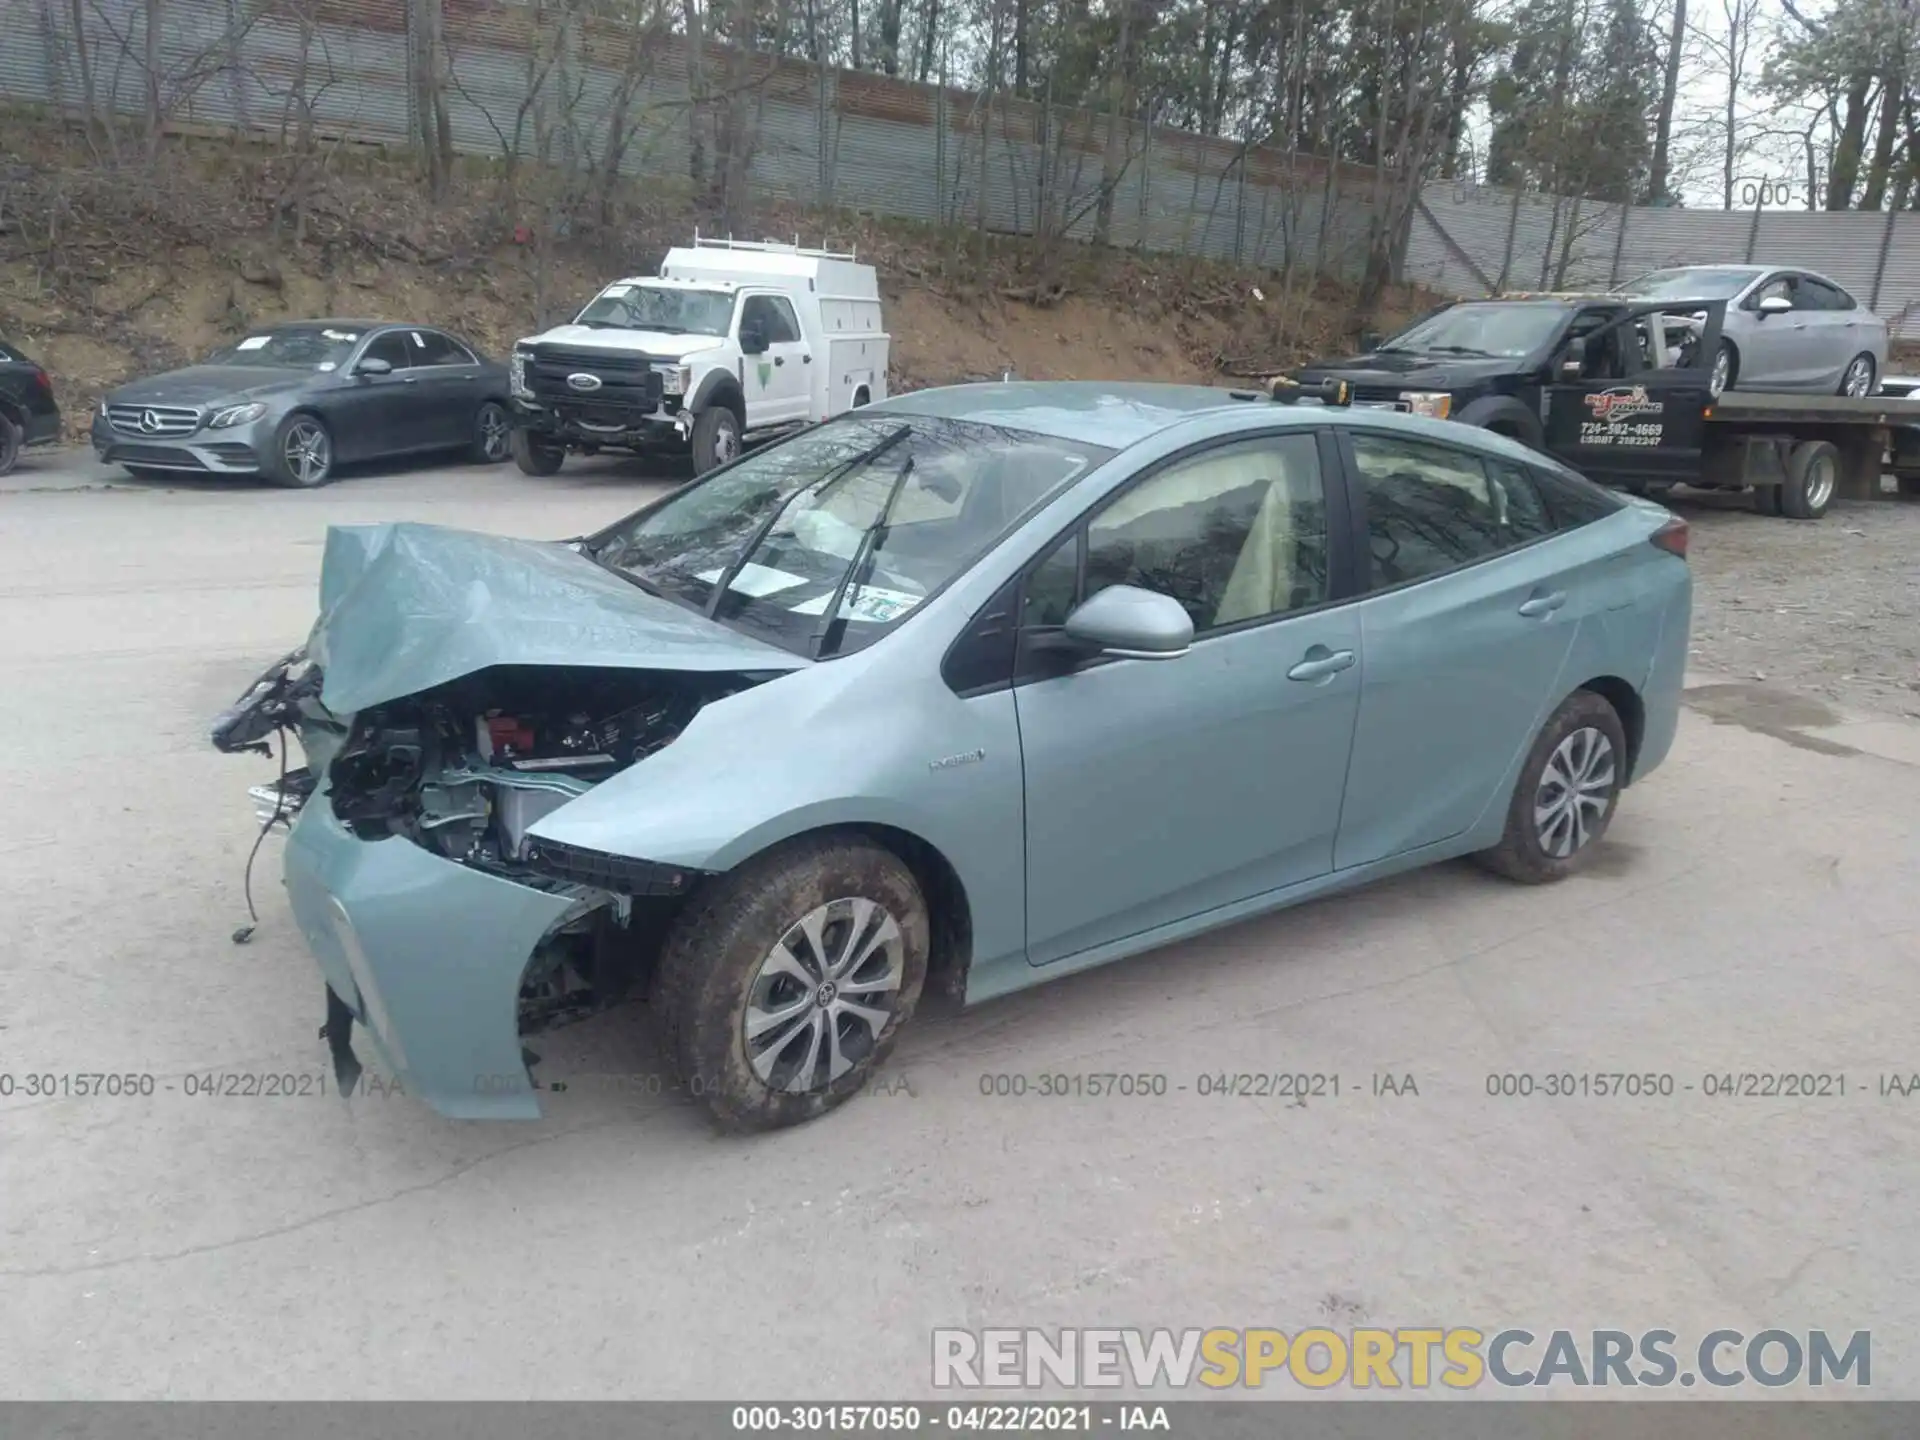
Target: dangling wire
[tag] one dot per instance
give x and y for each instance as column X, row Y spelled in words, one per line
column 245, row 932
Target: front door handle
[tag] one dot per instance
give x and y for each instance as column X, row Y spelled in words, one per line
column 1544, row 604
column 1321, row 664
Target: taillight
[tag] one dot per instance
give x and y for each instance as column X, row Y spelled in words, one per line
column 1672, row 537
column 44, row 380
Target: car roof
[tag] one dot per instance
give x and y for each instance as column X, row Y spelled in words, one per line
column 1090, row 412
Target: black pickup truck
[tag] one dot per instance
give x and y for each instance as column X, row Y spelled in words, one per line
column 1621, row 390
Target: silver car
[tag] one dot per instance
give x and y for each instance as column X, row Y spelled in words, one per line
column 1784, row 330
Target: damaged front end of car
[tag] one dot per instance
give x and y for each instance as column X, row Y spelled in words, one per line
column 440, row 924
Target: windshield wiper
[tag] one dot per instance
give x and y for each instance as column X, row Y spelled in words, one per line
column 819, row 487
column 861, row 562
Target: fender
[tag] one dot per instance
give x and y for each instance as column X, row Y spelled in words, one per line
column 719, row 388
column 1505, row 410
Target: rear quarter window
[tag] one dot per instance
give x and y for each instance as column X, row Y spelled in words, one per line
column 1572, row 501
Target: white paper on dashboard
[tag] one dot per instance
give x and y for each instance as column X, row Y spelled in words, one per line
column 756, row 580
column 254, row 342
column 874, row 603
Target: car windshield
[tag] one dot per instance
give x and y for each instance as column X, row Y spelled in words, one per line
column 835, row 536
column 293, row 347
column 1689, row 283
column 1505, row 331
column 675, row 309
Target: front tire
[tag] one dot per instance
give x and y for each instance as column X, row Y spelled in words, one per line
column 492, row 434
column 785, row 983
column 536, row 455
column 302, row 456
column 1726, row 370
column 1566, row 794
column 1858, row 378
column 10, row 445
column 716, row 439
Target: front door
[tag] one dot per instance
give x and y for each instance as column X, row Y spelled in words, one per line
column 1466, row 635
column 1625, row 421
column 375, row 415
column 1161, row 789
column 779, row 380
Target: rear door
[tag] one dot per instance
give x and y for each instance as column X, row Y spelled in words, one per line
column 1641, row 415
column 1465, row 634
column 446, row 374
column 1829, row 317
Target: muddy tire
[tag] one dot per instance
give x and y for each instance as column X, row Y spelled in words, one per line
column 784, row 984
column 492, row 438
column 536, row 456
column 10, row 445
column 1565, row 796
column 716, row 439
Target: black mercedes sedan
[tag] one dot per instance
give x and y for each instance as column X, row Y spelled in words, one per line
column 290, row 403
column 28, row 414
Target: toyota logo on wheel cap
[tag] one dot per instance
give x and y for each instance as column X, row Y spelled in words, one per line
column 584, row 382
column 149, row 421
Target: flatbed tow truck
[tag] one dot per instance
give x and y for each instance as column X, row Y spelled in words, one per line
column 1621, row 391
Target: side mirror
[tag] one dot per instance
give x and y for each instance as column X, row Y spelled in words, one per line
column 1775, row 305
column 1369, row 341
column 1573, row 364
column 1129, row 623
column 374, row 365
column 753, row 340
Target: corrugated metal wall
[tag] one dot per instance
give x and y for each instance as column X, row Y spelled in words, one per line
column 525, row 77
column 1467, row 239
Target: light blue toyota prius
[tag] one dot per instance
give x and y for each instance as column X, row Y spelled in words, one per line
column 965, row 690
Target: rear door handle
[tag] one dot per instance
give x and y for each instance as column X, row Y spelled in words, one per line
column 1321, row 664
column 779, row 359
column 1544, row 604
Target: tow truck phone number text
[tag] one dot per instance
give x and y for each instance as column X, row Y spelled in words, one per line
column 1591, row 434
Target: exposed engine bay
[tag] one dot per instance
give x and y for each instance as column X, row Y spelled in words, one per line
column 465, row 769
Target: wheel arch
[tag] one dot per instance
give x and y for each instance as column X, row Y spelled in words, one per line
column 1504, row 415
column 721, row 387
column 1631, row 709
column 949, row 908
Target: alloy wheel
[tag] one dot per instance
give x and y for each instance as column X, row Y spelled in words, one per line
column 308, row 452
column 496, row 432
column 1859, row 378
column 1575, row 790
column 1822, row 476
column 1722, row 372
column 823, row 995
column 726, row 443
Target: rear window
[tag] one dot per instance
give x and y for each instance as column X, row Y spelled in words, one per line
column 1573, row 501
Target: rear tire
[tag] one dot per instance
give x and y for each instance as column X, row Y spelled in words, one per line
column 1813, row 474
column 1860, row 376
column 1565, row 796
column 492, row 434
column 536, row 455
column 785, row 940
column 10, row 445
column 716, row 439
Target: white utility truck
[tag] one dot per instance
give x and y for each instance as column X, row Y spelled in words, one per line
column 733, row 341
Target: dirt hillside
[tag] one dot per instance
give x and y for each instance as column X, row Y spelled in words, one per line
column 114, row 266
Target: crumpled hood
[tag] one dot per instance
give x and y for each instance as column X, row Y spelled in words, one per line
column 660, row 344
column 207, row 384
column 405, row 607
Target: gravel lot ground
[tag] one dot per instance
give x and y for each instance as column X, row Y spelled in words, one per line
column 1754, row 912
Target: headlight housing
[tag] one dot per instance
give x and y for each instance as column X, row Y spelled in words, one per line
column 236, row 415
column 1434, row 404
column 675, row 379
column 517, row 374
